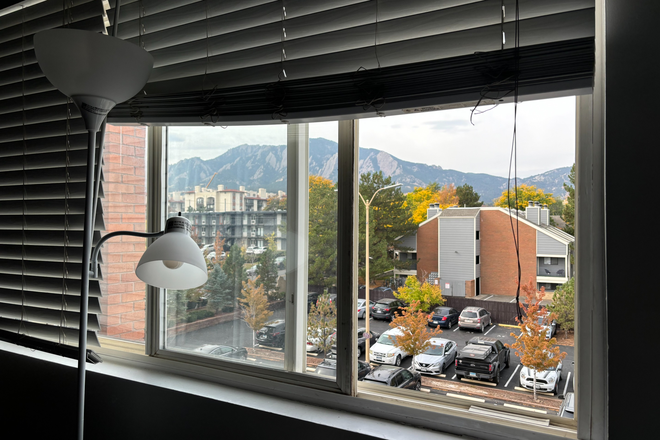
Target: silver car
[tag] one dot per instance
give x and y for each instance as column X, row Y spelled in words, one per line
column 476, row 318
column 436, row 358
column 361, row 309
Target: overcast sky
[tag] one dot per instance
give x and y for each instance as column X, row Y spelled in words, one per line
column 545, row 133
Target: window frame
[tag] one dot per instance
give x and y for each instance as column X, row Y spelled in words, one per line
column 397, row 404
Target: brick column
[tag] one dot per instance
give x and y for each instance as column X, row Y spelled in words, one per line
column 124, row 209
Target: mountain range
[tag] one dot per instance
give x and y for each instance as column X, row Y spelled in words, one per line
column 264, row 166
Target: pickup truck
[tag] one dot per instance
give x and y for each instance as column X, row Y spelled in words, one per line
column 482, row 358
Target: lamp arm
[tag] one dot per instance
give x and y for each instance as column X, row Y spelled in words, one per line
column 94, row 271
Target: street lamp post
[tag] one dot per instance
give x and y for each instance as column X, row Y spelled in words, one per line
column 367, row 205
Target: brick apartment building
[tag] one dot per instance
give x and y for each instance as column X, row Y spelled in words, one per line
column 471, row 251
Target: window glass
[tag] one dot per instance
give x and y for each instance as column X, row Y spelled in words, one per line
column 225, row 181
column 452, row 168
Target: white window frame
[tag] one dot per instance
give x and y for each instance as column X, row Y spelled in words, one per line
column 397, row 405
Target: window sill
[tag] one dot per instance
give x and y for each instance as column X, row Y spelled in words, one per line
column 402, row 417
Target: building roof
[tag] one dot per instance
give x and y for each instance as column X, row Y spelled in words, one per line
column 553, row 232
column 454, row 212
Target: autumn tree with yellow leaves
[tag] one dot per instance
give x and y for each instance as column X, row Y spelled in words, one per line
column 254, row 305
column 526, row 193
column 420, row 296
column 420, row 198
column 535, row 351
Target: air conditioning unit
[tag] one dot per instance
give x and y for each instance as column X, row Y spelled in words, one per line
column 254, row 234
column 212, row 222
column 253, row 222
column 203, row 222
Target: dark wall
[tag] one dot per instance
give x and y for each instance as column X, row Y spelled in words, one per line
column 39, row 402
column 633, row 69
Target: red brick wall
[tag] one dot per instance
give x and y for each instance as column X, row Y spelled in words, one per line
column 427, row 249
column 124, row 208
column 499, row 269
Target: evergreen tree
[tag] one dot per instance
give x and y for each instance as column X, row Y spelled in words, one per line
column 563, row 305
column 322, row 245
column 390, row 220
column 267, row 269
column 568, row 214
column 467, row 197
column 219, row 289
column 235, row 270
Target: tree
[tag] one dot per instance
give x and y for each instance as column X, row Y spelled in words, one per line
column 568, row 214
column 526, row 193
column 413, row 324
column 322, row 245
column 535, row 351
column 322, row 323
column 234, row 268
column 254, row 305
column 423, row 296
column 390, row 220
column 219, row 246
column 275, row 203
column 219, row 289
column 467, row 197
column 563, row 305
column 266, row 267
column 419, row 199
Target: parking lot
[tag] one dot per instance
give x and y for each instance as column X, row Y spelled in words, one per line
column 509, row 380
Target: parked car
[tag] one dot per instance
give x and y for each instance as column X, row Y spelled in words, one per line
column 475, row 318
column 436, row 358
column 249, row 250
column 546, row 381
column 384, row 351
column 387, row 308
column 329, row 368
column 482, row 358
column 395, row 377
column 259, row 250
column 384, row 290
column 361, row 342
column 312, row 297
column 210, row 257
column 252, row 271
column 313, row 342
column 550, row 328
column 223, row 351
column 362, row 310
column 444, row 317
column 272, row 334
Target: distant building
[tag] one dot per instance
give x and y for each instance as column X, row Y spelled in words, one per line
column 244, row 228
column 470, row 251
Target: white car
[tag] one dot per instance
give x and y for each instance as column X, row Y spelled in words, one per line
column 313, row 342
column 385, row 352
column 546, row 381
column 436, row 358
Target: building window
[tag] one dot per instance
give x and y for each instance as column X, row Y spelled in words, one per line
column 477, row 260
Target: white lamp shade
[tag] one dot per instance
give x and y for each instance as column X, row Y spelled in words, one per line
column 95, row 70
column 174, row 261
column 87, row 63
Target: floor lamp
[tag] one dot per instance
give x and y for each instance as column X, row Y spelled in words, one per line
column 97, row 72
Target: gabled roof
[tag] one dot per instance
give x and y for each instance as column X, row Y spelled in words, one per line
column 548, row 230
column 454, row 212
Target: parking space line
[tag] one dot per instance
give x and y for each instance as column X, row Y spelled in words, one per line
column 568, row 378
column 492, row 327
column 512, row 376
column 460, row 396
column 538, row 392
column 453, row 377
column 457, row 328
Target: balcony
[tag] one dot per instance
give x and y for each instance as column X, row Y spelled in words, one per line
column 551, row 267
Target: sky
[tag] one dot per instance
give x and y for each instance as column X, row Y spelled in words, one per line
column 545, row 137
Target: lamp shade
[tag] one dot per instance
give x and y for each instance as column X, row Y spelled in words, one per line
column 173, row 261
column 95, row 70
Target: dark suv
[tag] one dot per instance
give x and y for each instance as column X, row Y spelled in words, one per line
column 395, row 377
column 272, row 334
column 386, row 308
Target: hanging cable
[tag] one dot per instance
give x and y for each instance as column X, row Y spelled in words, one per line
column 513, row 162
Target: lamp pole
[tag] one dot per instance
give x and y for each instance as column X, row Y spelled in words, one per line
column 367, row 205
